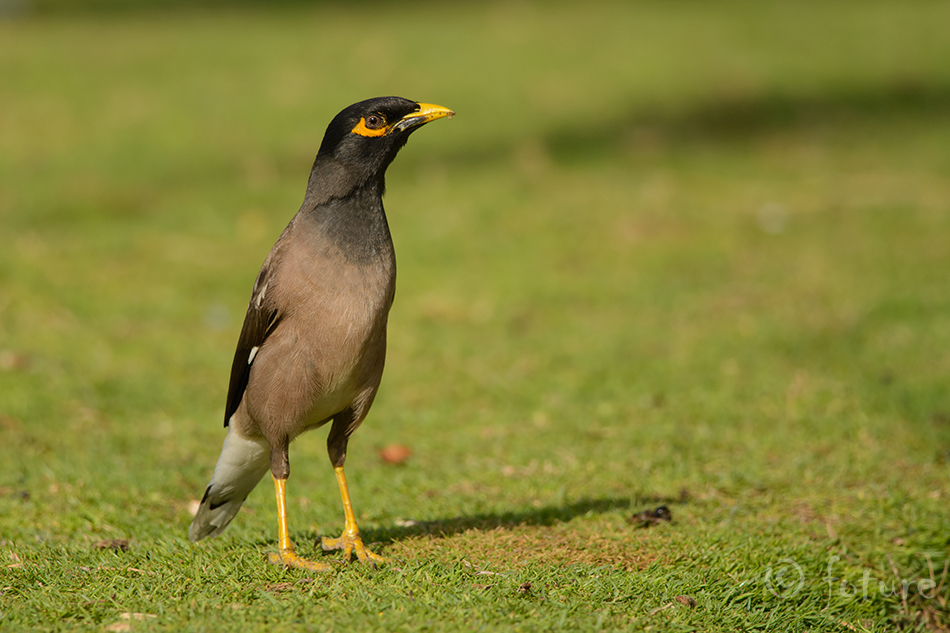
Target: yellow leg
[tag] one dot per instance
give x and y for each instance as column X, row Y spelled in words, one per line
column 286, row 554
column 350, row 540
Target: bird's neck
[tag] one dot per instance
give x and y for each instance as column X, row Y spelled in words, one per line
column 331, row 178
column 355, row 224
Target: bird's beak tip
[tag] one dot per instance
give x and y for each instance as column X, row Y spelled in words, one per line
column 431, row 112
column 426, row 113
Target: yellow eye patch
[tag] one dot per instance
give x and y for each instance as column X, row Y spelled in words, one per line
column 363, row 130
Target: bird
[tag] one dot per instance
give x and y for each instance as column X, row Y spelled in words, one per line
column 313, row 344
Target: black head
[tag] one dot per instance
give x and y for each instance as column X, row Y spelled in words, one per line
column 364, row 138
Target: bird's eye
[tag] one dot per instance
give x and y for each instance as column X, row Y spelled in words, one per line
column 371, row 125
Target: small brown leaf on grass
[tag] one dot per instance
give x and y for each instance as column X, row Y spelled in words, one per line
column 689, row 601
column 13, row 361
column 13, row 492
column 652, row 517
column 117, row 544
column 395, row 454
column 9, row 424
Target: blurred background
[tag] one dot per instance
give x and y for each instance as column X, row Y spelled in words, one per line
column 663, row 246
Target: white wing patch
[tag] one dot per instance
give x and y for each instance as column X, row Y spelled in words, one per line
column 250, row 357
column 260, row 296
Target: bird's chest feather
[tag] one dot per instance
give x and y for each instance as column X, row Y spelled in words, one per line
column 329, row 346
column 344, row 309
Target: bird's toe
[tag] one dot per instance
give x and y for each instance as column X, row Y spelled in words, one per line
column 290, row 559
column 351, row 544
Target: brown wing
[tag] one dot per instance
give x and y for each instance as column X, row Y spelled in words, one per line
column 261, row 319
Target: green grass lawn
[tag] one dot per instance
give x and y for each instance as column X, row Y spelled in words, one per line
column 668, row 253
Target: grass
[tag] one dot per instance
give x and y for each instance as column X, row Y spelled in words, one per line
column 682, row 254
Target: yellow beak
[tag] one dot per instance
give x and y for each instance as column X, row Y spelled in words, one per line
column 426, row 112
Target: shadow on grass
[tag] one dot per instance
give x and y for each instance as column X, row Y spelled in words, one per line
column 543, row 516
column 729, row 118
column 741, row 117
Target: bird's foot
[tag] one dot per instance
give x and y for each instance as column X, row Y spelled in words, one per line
column 350, row 543
column 289, row 558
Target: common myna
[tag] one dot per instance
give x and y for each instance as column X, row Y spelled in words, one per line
column 314, row 337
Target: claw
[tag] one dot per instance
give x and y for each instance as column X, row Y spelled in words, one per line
column 351, row 543
column 290, row 559
column 285, row 554
column 350, row 540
